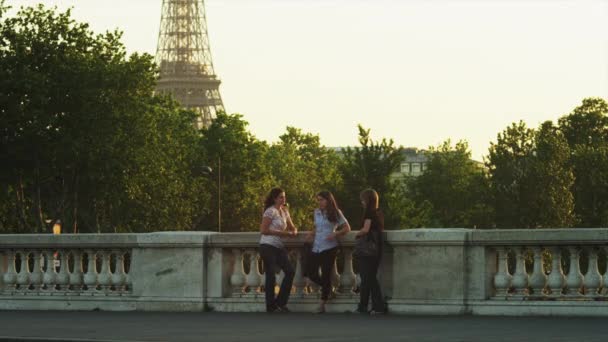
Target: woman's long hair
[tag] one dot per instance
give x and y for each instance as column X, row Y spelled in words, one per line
column 331, row 211
column 371, row 201
column 271, row 197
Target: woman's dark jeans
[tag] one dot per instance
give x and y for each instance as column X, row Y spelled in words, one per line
column 274, row 259
column 325, row 260
column 368, row 270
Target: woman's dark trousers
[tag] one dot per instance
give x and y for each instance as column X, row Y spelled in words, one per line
column 368, row 270
column 275, row 259
column 326, row 261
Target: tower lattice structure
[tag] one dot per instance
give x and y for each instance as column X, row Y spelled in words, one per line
column 184, row 57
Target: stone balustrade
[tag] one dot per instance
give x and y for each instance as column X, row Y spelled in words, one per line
column 50, row 271
column 423, row 271
column 247, row 277
column 545, row 278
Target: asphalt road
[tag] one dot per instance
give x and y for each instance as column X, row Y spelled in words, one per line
column 130, row 326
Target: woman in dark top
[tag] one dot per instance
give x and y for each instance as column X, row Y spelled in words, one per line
column 373, row 223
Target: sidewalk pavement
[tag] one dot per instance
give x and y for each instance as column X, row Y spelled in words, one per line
column 140, row 326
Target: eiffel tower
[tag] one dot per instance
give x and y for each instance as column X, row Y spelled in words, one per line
column 184, row 57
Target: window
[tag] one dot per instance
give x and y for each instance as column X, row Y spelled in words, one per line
column 405, row 167
column 415, row 167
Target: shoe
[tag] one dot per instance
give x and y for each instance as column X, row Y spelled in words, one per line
column 361, row 311
column 374, row 313
column 283, row 309
column 271, row 309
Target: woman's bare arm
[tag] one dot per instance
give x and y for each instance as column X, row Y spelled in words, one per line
column 366, row 226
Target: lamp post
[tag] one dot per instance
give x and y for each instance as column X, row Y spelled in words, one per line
column 207, row 170
column 219, row 194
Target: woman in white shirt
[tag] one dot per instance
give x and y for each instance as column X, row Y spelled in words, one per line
column 276, row 223
column 330, row 225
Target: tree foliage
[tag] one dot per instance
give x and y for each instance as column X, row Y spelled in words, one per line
column 455, row 187
column 369, row 165
column 83, row 138
column 586, row 131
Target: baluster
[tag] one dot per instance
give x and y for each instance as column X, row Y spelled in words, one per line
column 63, row 277
column 347, row 278
column 502, row 278
column 575, row 278
column 50, row 275
column 279, row 280
column 10, row 277
column 335, row 277
column 76, row 276
column 104, row 278
column 253, row 278
column 605, row 277
column 538, row 279
column 36, row 274
column 90, row 278
column 593, row 278
column 520, row 277
column 119, row 277
column 556, row 280
column 299, row 282
column 23, row 277
column 237, row 279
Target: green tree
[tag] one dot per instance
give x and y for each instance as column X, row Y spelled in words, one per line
column 553, row 179
column 303, row 167
column 509, row 164
column 454, row 186
column 240, row 160
column 369, row 165
column 83, row 138
column 531, row 178
column 403, row 211
column 586, row 130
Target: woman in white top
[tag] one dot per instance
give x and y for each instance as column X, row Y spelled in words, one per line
column 276, row 223
column 325, row 235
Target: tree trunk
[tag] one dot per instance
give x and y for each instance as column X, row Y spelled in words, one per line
column 39, row 215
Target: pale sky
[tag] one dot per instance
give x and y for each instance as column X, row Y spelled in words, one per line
column 415, row 71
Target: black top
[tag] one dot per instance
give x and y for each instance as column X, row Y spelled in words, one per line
column 376, row 227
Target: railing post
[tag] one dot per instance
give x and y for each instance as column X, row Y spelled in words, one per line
column 237, row 279
column 23, row 276
column 593, row 278
column 50, row 276
column 538, row 279
column 520, row 277
column 36, row 274
column 63, row 278
column 76, row 276
column 253, row 278
column 556, row 280
column 575, row 278
column 502, row 278
column 90, row 278
column 10, row 277
column 347, row 278
column 298, row 280
column 119, row 277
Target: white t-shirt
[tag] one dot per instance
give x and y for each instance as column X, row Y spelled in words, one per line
column 278, row 222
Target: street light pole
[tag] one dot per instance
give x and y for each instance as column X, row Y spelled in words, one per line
column 219, row 194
